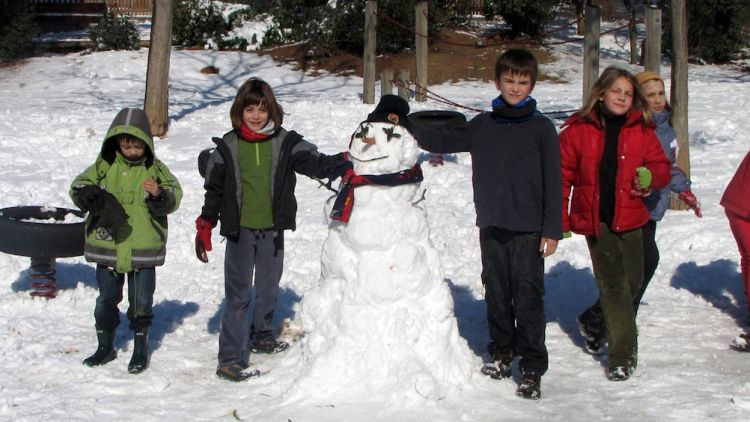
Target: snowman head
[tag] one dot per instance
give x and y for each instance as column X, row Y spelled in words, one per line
column 380, row 144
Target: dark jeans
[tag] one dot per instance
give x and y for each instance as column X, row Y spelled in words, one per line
column 513, row 278
column 593, row 317
column 141, row 286
column 260, row 251
column 617, row 259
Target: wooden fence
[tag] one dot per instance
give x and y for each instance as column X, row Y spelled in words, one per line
column 130, row 7
column 475, row 7
column 118, row 7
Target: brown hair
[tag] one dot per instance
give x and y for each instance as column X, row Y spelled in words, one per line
column 592, row 107
column 129, row 140
column 517, row 61
column 255, row 91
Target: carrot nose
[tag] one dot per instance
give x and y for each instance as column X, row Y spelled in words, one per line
column 369, row 141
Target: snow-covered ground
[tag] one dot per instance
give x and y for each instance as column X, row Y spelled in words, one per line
column 54, row 113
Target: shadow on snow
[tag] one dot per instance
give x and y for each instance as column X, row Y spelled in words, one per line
column 718, row 283
column 284, row 309
column 568, row 292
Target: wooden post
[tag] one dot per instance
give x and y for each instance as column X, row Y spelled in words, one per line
column 156, row 103
column 652, row 57
column 679, row 91
column 368, row 90
column 579, row 5
column 632, row 33
column 403, row 87
column 386, row 87
column 593, row 17
column 420, row 41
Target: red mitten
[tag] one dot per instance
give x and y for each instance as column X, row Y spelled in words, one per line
column 691, row 201
column 203, row 237
column 637, row 190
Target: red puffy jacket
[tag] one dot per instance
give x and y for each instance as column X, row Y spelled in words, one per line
column 581, row 149
column 736, row 198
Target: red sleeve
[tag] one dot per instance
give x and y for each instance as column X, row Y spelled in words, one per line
column 569, row 164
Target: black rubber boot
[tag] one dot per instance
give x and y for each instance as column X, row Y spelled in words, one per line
column 106, row 352
column 139, row 361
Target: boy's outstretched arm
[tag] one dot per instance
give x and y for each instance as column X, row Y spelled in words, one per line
column 442, row 140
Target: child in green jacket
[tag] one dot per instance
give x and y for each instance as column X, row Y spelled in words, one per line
column 128, row 194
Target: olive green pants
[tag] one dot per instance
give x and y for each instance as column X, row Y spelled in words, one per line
column 617, row 259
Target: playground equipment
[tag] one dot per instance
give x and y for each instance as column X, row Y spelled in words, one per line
column 43, row 234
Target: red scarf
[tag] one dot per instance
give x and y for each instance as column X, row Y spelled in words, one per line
column 342, row 206
column 249, row 135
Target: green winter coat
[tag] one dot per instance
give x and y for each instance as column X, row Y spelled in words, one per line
column 142, row 242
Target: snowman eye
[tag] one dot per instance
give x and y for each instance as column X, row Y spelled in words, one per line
column 389, row 131
column 362, row 133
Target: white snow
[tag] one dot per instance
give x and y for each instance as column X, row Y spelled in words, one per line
column 53, row 115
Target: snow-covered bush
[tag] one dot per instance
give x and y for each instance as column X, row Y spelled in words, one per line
column 213, row 24
column 114, row 33
column 328, row 25
column 197, row 21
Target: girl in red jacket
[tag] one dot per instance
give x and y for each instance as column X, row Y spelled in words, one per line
column 610, row 158
column 736, row 203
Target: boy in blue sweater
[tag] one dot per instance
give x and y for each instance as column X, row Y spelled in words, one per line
column 518, row 199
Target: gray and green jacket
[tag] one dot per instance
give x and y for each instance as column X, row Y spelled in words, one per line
column 291, row 154
column 142, row 243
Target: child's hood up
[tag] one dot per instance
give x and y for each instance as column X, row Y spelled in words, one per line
column 134, row 122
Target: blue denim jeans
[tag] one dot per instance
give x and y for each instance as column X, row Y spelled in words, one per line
column 141, row 286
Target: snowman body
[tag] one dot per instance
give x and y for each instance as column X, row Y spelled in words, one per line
column 382, row 316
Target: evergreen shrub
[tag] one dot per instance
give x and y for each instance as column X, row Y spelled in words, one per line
column 114, row 33
column 197, row 21
column 17, row 29
column 527, row 17
column 714, row 29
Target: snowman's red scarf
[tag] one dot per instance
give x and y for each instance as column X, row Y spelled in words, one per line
column 342, row 208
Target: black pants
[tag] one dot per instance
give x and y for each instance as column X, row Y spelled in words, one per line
column 650, row 260
column 513, row 278
column 593, row 317
column 141, row 286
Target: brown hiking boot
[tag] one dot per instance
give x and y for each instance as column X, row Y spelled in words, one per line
column 530, row 386
column 501, row 365
column 269, row 347
column 234, row 372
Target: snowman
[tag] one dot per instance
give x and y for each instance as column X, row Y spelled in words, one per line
column 382, row 316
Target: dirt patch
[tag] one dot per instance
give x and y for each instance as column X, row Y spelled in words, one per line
column 453, row 56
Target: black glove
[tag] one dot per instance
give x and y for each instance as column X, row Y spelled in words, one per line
column 111, row 214
column 88, row 196
column 338, row 165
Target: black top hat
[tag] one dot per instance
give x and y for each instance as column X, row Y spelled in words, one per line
column 390, row 109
